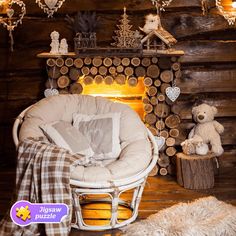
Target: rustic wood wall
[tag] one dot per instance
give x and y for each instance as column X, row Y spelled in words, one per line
column 209, row 64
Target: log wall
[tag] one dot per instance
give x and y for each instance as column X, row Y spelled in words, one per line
column 208, row 66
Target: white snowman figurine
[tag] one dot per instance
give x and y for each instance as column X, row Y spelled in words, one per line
column 63, row 49
column 55, row 42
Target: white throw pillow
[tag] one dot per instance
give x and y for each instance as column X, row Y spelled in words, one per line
column 102, row 132
column 64, row 135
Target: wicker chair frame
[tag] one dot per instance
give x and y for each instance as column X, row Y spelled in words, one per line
column 113, row 189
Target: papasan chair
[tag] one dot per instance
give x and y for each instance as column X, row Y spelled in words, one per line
column 138, row 156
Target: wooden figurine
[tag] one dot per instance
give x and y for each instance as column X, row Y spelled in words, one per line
column 125, row 37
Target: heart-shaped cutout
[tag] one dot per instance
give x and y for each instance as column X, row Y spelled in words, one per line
column 50, row 92
column 160, row 141
column 10, row 12
column 50, row 6
column 173, row 93
column 50, row 3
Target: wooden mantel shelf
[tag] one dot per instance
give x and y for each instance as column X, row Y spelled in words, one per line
column 149, row 53
column 50, row 55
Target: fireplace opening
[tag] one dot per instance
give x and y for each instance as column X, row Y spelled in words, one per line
column 123, row 93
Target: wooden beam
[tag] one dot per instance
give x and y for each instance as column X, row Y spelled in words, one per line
column 205, row 51
column 207, row 80
column 224, row 102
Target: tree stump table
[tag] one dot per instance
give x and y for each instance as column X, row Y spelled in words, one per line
column 194, row 171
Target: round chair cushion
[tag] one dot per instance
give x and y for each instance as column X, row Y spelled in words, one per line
column 135, row 147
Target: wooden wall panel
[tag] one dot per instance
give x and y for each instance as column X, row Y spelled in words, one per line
column 208, row 64
column 198, row 80
column 225, row 103
column 207, row 51
column 10, row 109
column 18, row 90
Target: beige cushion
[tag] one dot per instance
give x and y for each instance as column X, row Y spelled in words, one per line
column 64, row 135
column 136, row 149
column 102, row 132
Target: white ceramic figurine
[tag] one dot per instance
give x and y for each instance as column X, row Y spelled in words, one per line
column 55, row 42
column 63, row 49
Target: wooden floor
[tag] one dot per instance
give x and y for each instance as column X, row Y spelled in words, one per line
column 160, row 192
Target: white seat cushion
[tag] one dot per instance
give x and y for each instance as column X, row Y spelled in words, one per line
column 136, row 148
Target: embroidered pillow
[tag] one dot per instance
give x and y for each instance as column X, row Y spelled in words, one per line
column 102, row 132
column 64, row 135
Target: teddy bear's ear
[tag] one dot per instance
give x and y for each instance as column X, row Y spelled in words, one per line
column 194, row 109
column 214, row 109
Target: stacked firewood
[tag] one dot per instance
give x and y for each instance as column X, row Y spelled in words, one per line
column 158, row 73
column 69, row 73
column 157, row 106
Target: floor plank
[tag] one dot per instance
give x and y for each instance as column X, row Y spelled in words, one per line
column 160, row 192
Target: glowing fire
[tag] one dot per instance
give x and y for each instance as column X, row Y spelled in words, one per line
column 125, row 93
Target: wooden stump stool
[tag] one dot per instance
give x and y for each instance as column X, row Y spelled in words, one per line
column 194, row 171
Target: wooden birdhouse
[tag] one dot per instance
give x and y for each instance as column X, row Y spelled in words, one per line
column 167, row 40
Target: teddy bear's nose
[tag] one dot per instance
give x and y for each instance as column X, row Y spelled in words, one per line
column 200, row 117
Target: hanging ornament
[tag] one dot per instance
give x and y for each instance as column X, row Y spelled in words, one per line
column 161, row 4
column 50, row 6
column 51, row 91
column 11, row 21
column 173, row 92
column 160, row 141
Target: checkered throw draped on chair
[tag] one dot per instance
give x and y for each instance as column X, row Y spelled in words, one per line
column 43, row 176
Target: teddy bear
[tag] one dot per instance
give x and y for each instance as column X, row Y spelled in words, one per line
column 206, row 131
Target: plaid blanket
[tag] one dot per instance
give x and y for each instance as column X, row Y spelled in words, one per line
column 43, row 176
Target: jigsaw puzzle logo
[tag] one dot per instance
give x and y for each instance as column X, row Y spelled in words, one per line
column 24, row 213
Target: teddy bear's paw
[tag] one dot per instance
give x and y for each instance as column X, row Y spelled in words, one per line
column 220, row 129
column 218, row 150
